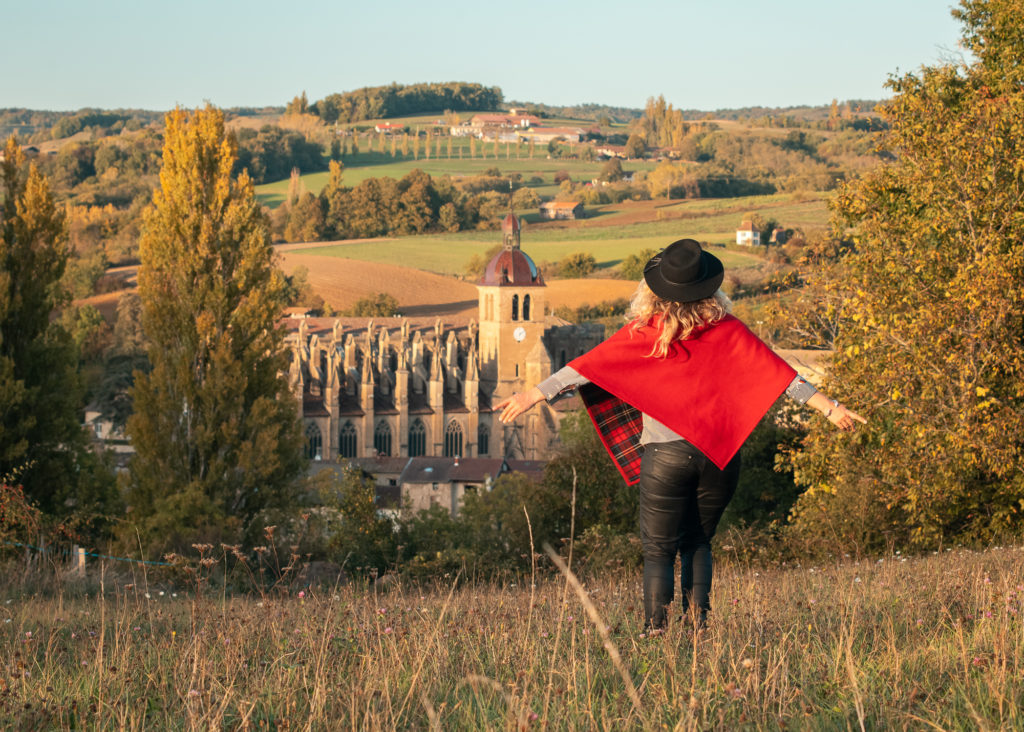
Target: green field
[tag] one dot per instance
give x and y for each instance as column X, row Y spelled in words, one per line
column 450, row 253
column 713, row 221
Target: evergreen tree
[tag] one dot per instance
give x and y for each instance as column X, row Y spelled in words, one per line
column 931, row 341
column 215, row 427
column 42, row 443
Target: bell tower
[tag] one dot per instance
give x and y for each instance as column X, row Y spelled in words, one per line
column 511, row 313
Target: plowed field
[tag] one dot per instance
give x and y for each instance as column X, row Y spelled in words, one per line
column 341, row 282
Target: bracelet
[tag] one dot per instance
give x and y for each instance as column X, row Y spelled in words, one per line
column 835, row 404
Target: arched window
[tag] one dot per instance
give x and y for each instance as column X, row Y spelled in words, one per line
column 417, row 438
column 483, row 440
column 515, row 307
column 382, row 438
column 314, row 442
column 347, row 442
column 526, row 307
column 453, row 440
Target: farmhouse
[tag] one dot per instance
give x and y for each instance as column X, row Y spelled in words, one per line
column 389, row 127
column 403, row 387
column 547, row 134
column 562, row 210
column 748, row 234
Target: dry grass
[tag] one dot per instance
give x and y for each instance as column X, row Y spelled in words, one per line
column 933, row 642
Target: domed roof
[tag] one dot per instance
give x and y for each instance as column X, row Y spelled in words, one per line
column 512, row 268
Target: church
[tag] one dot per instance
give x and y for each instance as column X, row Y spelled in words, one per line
column 411, row 387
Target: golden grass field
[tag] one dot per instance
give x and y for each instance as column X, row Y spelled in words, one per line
column 933, row 642
column 341, row 282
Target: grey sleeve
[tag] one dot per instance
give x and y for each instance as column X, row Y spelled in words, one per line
column 561, row 382
column 800, row 390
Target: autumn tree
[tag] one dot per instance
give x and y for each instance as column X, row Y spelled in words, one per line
column 215, row 427
column 42, row 443
column 930, row 341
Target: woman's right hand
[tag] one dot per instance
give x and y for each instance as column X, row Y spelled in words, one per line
column 518, row 403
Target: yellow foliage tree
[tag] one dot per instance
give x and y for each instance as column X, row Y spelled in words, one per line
column 931, row 340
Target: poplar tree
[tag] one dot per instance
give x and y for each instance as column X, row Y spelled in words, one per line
column 930, row 343
column 42, row 443
column 215, row 428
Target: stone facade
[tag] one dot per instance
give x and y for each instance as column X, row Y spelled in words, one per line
column 408, row 387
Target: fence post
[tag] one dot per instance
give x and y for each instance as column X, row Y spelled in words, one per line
column 79, row 559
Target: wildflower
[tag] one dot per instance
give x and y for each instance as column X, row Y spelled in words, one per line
column 161, row 593
column 388, row 630
column 302, row 594
column 28, row 633
column 856, row 579
column 147, row 596
column 193, row 692
column 747, row 663
column 136, row 628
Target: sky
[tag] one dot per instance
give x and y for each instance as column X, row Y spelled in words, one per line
column 69, row 54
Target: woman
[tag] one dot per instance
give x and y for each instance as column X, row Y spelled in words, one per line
column 673, row 396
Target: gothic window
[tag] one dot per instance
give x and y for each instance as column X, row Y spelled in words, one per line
column 347, row 440
column 526, row 307
column 515, row 307
column 453, row 440
column 382, row 438
column 314, row 442
column 483, row 440
column 417, row 438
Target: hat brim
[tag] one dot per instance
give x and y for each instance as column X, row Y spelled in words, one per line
column 711, row 276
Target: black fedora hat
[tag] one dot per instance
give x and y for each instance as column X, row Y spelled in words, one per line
column 684, row 272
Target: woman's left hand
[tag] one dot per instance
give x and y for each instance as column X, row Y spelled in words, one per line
column 845, row 419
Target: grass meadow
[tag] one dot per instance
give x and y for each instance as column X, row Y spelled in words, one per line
column 612, row 233
column 932, row 642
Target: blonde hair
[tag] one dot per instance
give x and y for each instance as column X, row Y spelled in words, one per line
column 677, row 320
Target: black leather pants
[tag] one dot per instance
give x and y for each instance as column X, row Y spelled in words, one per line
column 682, row 497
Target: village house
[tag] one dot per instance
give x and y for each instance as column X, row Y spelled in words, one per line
column 562, row 210
column 389, row 127
column 748, row 235
column 547, row 134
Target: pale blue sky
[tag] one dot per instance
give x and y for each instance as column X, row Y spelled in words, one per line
column 68, row 54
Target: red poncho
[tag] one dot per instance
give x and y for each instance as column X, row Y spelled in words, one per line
column 712, row 389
